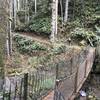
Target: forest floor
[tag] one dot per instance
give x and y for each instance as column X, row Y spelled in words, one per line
column 19, row 63
column 22, row 63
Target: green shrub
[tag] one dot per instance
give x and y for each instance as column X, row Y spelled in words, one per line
column 59, row 49
column 97, row 29
column 72, row 25
column 82, row 34
column 41, row 25
column 28, row 46
column 17, row 38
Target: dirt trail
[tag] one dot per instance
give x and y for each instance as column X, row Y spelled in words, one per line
column 38, row 38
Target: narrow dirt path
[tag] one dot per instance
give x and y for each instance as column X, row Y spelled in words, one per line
column 34, row 37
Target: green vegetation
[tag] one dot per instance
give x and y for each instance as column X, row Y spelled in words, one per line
column 88, row 36
column 59, row 49
column 41, row 25
column 29, row 54
column 38, row 54
column 84, row 17
column 28, row 46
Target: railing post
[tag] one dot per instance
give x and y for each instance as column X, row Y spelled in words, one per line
column 85, row 69
column 21, row 89
column 76, row 81
column 25, row 86
column 71, row 70
column 76, row 76
column 56, row 84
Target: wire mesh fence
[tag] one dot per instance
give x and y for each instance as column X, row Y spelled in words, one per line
column 63, row 77
column 30, row 86
column 72, row 73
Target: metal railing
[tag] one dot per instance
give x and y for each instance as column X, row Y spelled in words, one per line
column 30, row 86
column 64, row 77
column 72, row 73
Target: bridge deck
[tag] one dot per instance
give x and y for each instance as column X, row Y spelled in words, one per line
column 87, row 66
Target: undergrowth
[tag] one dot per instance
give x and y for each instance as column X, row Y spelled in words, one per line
column 27, row 46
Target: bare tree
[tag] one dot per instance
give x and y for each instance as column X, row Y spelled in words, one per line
column 54, row 20
column 61, row 6
column 14, row 12
column 26, row 11
column 8, row 30
column 3, row 26
column 66, row 11
column 35, row 6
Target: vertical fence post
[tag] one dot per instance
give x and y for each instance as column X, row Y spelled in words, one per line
column 56, row 84
column 25, row 86
column 76, row 81
column 85, row 68
column 9, row 98
column 3, row 93
column 71, row 65
column 76, row 76
column 86, row 53
column 20, row 96
column 15, row 95
column 57, row 71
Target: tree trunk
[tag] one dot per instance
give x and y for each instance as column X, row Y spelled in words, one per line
column 54, row 20
column 18, row 5
column 3, row 25
column 35, row 7
column 61, row 10
column 14, row 13
column 9, row 35
column 66, row 11
column 7, row 41
column 26, row 12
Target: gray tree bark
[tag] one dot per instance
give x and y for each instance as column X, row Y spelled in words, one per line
column 35, row 6
column 14, row 6
column 26, row 12
column 66, row 11
column 9, row 33
column 54, row 20
column 3, row 26
column 61, row 10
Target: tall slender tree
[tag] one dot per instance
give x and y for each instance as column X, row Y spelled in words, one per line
column 26, row 11
column 35, row 2
column 66, row 11
column 54, row 20
column 61, row 6
column 3, row 26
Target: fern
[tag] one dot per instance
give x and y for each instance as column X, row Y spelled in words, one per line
column 97, row 29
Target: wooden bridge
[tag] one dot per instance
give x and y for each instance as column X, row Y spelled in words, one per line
column 67, row 88
column 60, row 81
